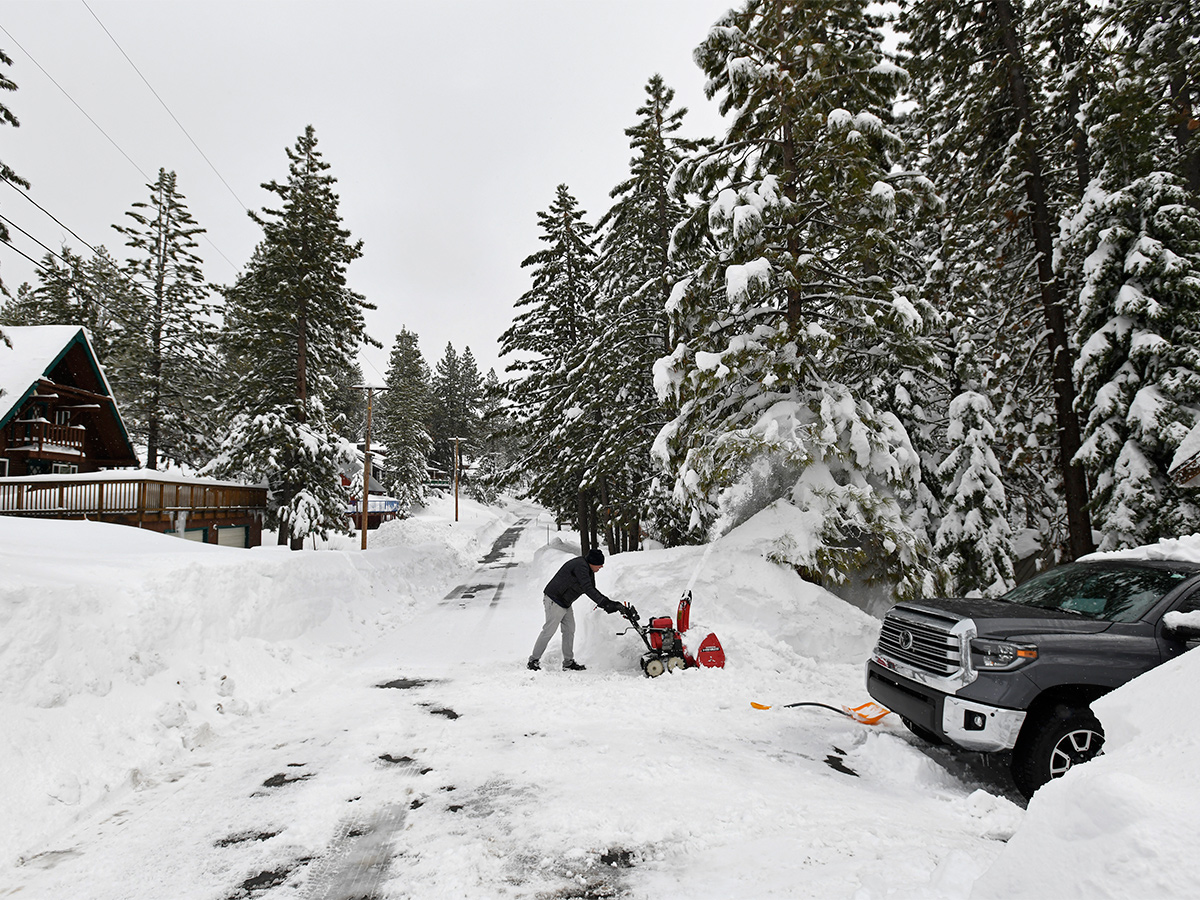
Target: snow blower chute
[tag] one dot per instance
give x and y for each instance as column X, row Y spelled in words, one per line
column 666, row 649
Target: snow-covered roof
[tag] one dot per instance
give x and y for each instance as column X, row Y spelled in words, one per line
column 34, row 351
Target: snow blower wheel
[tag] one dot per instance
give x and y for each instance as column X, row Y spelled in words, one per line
column 653, row 667
column 675, row 662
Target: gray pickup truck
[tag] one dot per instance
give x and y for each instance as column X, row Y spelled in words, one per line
column 1019, row 673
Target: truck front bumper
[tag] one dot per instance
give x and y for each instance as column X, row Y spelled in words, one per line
column 967, row 723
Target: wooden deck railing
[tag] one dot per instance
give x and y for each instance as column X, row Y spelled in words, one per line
column 36, row 434
column 139, row 498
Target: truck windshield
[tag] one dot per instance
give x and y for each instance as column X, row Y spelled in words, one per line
column 1109, row 593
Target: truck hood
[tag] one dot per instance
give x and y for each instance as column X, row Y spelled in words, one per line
column 995, row 619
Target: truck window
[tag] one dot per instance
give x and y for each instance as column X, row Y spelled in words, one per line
column 1098, row 592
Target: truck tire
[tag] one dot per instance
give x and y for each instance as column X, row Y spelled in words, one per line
column 1062, row 738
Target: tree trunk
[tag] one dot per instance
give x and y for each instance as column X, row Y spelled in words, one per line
column 581, row 507
column 610, row 537
column 1075, row 491
column 1189, row 147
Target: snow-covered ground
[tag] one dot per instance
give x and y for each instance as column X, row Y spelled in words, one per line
column 183, row 721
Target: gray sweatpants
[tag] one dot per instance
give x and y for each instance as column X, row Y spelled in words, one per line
column 556, row 617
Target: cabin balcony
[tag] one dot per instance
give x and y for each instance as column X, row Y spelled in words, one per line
column 34, row 438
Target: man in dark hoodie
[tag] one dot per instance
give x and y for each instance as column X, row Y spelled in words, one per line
column 575, row 578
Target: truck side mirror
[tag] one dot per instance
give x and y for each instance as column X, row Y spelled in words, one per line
column 1182, row 626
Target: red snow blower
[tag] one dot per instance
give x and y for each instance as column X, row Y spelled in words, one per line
column 665, row 648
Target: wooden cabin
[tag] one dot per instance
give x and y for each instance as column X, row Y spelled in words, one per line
column 57, row 412
column 65, row 452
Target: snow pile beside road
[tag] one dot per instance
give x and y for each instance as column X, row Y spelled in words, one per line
column 1123, row 824
column 120, row 648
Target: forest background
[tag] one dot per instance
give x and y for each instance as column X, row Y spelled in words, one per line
column 931, row 307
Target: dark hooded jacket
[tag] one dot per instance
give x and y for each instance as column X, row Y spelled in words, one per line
column 574, row 579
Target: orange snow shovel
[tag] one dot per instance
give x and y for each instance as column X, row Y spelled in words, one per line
column 867, row 714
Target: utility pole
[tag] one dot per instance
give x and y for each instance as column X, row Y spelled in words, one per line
column 364, row 503
column 457, row 459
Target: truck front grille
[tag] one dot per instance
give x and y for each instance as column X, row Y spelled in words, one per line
column 923, row 643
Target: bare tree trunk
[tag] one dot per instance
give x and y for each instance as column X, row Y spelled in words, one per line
column 1075, row 490
column 581, row 513
column 606, row 508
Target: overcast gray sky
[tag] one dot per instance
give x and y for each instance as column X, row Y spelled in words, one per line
column 447, row 124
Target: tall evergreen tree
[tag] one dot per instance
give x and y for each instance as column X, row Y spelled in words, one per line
column 7, row 117
column 403, row 416
column 613, row 378
column 988, row 122
column 797, row 318
column 1139, row 367
column 558, row 318
column 162, row 365
column 292, row 325
column 456, row 392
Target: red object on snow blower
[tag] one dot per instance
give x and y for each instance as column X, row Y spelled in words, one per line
column 664, row 643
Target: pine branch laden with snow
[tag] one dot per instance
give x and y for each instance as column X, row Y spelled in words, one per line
column 1139, row 362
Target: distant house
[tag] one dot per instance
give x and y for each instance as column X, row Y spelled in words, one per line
column 380, row 507
column 65, row 452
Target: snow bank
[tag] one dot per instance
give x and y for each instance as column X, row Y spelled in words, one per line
column 120, row 648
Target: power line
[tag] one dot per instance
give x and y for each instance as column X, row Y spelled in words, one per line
column 137, row 288
column 120, row 150
column 174, row 118
column 76, row 105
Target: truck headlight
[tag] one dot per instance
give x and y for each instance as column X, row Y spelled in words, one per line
column 993, row 655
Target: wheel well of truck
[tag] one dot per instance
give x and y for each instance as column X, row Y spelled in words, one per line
column 1066, row 695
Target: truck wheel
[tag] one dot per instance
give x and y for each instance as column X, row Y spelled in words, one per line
column 1064, row 738
column 923, row 733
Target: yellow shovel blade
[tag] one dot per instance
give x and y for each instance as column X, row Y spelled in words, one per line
column 868, row 713
column 758, row 705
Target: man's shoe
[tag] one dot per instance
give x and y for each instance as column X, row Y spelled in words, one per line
column 534, row 665
column 571, row 666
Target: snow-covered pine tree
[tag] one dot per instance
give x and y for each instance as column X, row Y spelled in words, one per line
column 558, row 317
column 456, row 391
column 984, row 109
column 1161, row 58
column 1139, row 365
column 634, row 273
column 493, row 446
column 291, row 325
column 161, row 363
column 974, row 539
column 72, row 291
column 796, row 316
column 402, row 421
column 7, row 117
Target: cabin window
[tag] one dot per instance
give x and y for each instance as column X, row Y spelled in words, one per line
column 64, row 468
column 62, row 417
column 3, row 467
